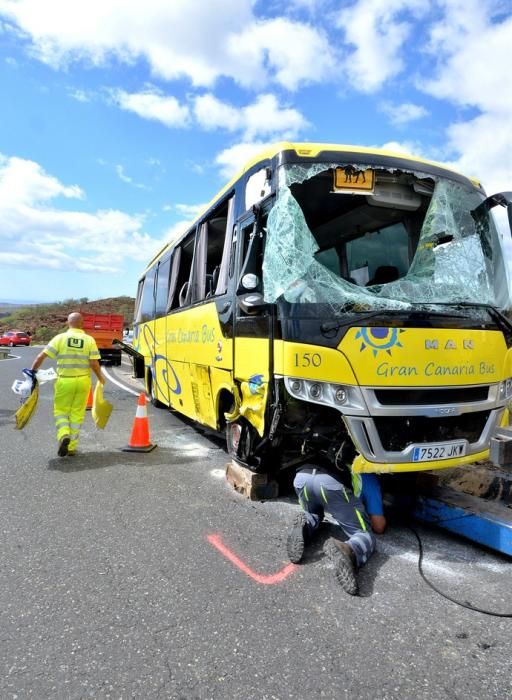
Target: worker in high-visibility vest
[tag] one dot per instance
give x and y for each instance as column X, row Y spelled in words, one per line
column 76, row 354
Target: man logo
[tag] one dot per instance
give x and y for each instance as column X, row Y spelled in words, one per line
column 76, row 343
column 467, row 344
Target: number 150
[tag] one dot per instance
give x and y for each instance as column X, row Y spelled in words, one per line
column 306, row 359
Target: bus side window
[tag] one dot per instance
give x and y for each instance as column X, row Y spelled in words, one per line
column 136, row 314
column 173, row 282
column 162, row 287
column 251, row 252
column 147, row 304
column 182, row 273
column 212, row 254
column 220, row 269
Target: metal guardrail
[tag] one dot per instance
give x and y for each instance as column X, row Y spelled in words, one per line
column 137, row 358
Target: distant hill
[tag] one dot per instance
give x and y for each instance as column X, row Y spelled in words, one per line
column 43, row 321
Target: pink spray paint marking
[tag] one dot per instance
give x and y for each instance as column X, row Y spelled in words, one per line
column 267, row 580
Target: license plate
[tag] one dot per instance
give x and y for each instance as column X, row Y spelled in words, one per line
column 431, row 452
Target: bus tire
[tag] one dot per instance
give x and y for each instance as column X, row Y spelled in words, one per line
column 155, row 402
column 242, row 441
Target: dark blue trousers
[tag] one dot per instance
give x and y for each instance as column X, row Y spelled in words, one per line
column 319, row 492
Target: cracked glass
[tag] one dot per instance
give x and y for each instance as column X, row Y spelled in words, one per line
column 414, row 241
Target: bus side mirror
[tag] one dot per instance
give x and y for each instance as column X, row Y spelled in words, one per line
column 503, row 199
column 252, row 303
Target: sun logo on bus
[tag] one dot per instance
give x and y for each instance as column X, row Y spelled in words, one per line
column 379, row 339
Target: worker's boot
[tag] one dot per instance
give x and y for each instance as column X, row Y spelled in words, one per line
column 63, row 446
column 345, row 565
column 297, row 539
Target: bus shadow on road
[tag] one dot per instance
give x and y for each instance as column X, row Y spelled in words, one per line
column 83, row 461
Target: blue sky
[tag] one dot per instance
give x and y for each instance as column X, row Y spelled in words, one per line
column 120, row 118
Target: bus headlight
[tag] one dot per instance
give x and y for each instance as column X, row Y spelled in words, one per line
column 315, row 391
column 296, row 386
column 335, row 395
column 340, row 395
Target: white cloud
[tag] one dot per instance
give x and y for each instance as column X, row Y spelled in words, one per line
column 404, row 113
column 408, row 148
column 189, row 211
column 484, row 145
column 294, row 53
column 151, row 104
column 473, row 56
column 230, row 160
column 264, row 117
column 377, row 29
column 472, row 49
column 36, row 232
column 80, row 95
column 129, row 180
column 24, row 182
column 211, row 113
column 199, row 40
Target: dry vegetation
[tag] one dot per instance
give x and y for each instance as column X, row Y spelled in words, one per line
column 43, row 321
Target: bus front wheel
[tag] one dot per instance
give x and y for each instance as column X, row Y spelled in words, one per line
column 242, row 442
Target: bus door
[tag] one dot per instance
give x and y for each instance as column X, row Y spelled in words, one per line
column 211, row 358
column 198, row 355
column 181, row 331
column 253, row 324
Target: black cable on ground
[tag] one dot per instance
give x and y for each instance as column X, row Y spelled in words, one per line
column 465, row 604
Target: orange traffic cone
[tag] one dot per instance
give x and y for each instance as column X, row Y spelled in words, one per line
column 89, row 400
column 139, row 439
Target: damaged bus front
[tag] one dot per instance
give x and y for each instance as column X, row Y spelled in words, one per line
column 370, row 316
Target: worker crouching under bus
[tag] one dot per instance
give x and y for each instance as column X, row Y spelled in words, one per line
column 357, row 511
column 76, row 354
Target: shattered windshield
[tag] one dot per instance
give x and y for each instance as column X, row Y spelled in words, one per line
column 381, row 239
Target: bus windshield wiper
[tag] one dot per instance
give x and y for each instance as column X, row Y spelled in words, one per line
column 498, row 317
column 410, row 313
column 328, row 327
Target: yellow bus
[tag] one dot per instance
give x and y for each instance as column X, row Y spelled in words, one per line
column 336, row 302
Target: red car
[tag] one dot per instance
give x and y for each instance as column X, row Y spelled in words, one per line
column 12, row 338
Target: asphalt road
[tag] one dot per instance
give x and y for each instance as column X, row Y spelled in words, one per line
column 110, row 587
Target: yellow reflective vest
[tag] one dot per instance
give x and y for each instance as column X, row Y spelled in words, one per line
column 73, row 351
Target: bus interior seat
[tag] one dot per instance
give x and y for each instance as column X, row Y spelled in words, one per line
column 211, row 282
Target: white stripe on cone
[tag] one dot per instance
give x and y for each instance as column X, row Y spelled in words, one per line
column 142, row 412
